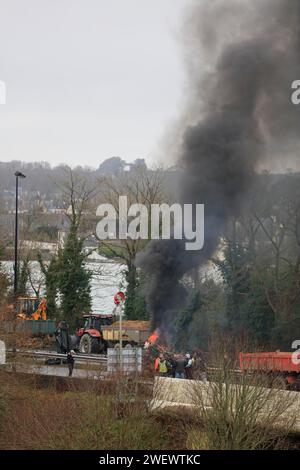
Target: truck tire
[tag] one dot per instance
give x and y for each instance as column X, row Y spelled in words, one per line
column 88, row 344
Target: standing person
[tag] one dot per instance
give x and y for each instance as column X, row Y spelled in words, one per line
column 189, row 362
column 180, row 367
column 156, row 364
column 70, row 361
column 162, row 367
column 171, row 364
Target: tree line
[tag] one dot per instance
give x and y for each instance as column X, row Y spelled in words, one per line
column 251, row 293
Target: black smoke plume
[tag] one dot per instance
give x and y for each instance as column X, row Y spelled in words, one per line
column 242, row 57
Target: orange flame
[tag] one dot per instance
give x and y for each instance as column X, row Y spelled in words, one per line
column 152, row 339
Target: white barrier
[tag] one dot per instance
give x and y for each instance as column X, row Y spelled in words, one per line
column 169, row 392
column 131, row 360
column 2, row 353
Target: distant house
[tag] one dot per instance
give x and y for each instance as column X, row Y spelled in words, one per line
column 40, row 246
column 115, row 165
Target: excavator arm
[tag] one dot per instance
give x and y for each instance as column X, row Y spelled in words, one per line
column 41, row 311
column 39, row 314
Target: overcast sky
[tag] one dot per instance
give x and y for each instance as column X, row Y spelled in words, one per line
column 88, row 79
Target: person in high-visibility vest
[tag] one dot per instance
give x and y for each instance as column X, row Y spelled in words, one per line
column 156, row 364
column 162, row 367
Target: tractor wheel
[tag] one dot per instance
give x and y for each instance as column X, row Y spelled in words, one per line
column 88, row 345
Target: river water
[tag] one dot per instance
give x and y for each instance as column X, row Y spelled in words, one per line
column 107, row 279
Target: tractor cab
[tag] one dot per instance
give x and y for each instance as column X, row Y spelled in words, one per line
column 95, row 322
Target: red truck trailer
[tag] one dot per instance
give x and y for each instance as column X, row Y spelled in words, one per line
column 277, row 364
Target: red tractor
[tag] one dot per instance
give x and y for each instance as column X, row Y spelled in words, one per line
column 90, row 337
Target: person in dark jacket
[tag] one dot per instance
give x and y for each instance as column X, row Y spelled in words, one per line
column 70, row 361
column 171, row 363
column 180, row 367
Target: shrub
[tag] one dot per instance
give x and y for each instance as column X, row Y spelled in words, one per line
column 243, row 415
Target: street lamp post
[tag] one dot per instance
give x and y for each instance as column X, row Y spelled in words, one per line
column 18, row 175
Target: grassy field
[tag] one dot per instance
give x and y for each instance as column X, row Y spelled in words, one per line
column 34, row 417
column 70, row 414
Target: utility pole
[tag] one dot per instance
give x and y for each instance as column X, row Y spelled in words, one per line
column 121, row 334
column 18, row 175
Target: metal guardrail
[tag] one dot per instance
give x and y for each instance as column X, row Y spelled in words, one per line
column 85, row 357
column 54, row 355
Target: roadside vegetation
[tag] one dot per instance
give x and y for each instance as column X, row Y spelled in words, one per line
column 36, row 418
column 65, row 415
column 247, row 412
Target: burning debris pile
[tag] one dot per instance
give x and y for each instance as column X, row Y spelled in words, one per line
column 157, row 342
column 152, row 340
column 242, row 59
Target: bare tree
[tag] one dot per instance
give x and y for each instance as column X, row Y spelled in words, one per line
column 77, row 194
column 141, row 186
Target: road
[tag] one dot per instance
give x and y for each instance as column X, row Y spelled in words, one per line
column 55, row 371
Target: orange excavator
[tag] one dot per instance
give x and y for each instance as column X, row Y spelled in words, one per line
column 32, row 308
